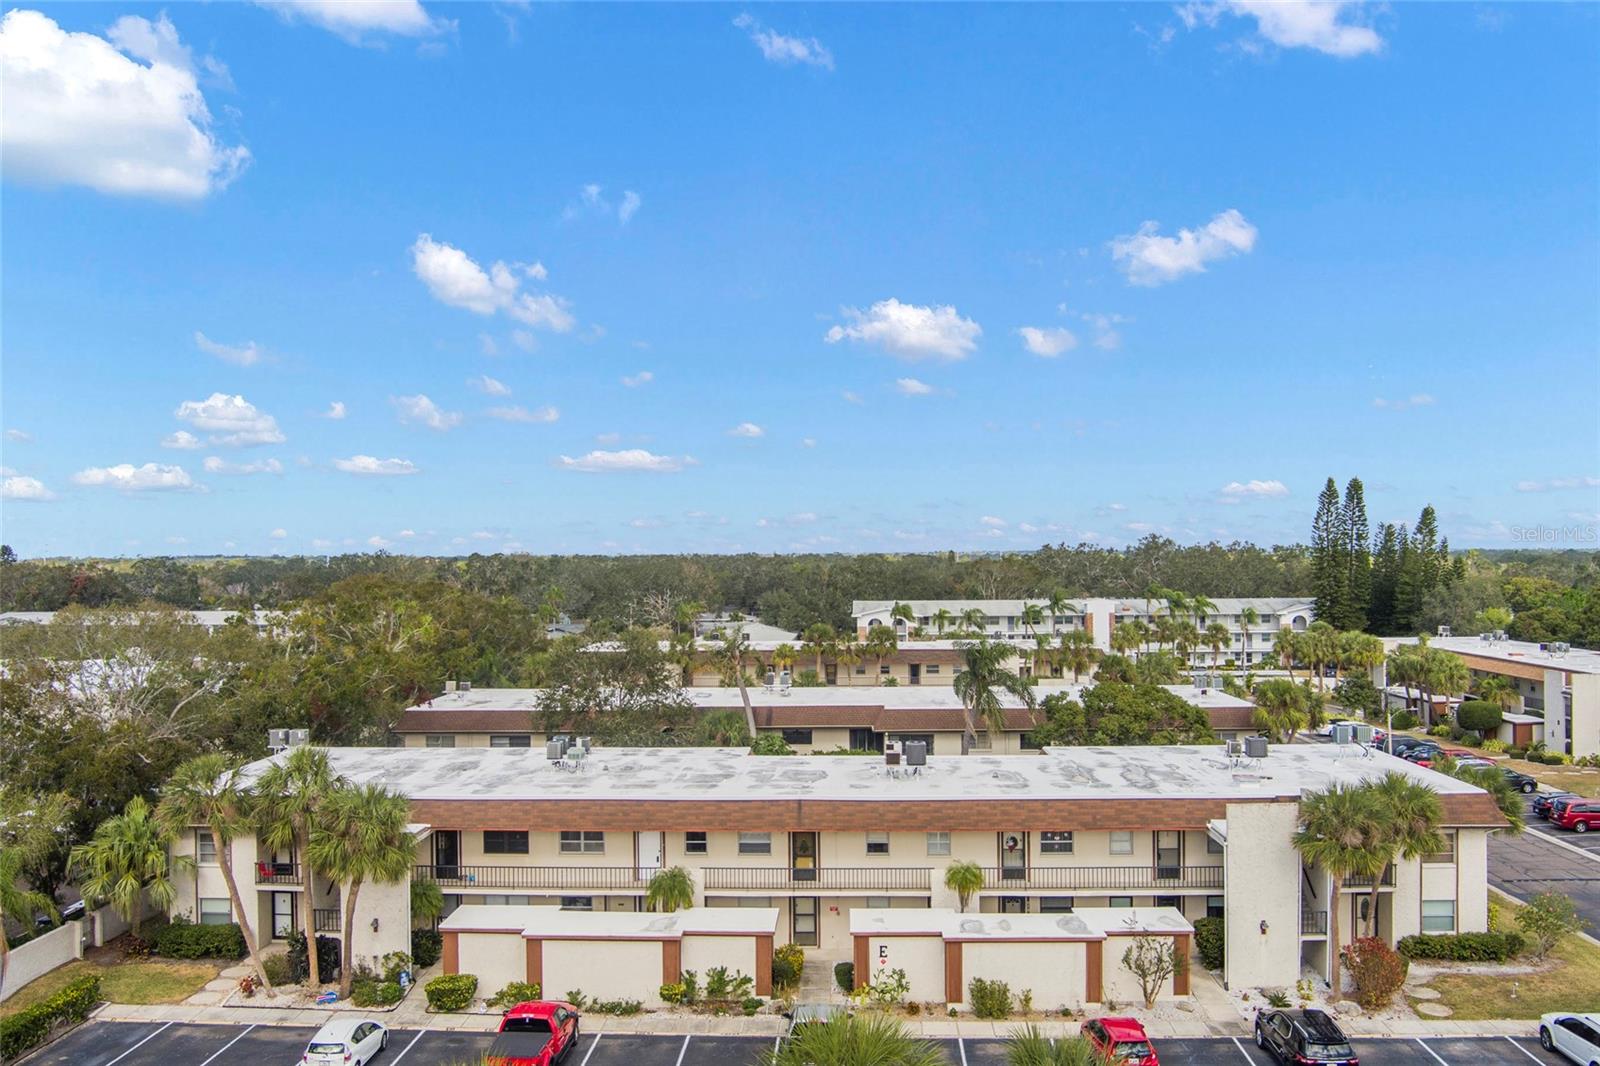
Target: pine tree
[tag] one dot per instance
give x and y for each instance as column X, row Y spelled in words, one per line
column 1413, row 577
column 1425, row 539
column 1359, row 555
column 1330, row 568
column 1385, row 569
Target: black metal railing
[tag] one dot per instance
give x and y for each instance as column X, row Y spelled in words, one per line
column 1314, row 922
column 1367, row 880
column 277, row 873
column 552, row 878
column 325, row 920
column 825, row 879
column 1110, row 878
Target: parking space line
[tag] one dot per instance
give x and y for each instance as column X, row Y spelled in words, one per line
column 684, row 1050
column 1242, row 1051
column 420, row 1034
column 229, row 1044
column 1522, row 1049
column 1430, row 1051
column 592, row 1042
column 962, row 1047
column 139, row 1045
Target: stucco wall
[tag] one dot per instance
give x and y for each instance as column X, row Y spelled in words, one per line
column 1472, row 886
column 1261, row 862
column 1054, row 970
column 701, row 953
column 921, row 957
column 496, row 959
column 1119, row 982
column 616, row 969
column 39, row 956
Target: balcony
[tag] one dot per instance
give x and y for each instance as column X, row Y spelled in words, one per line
column 535, row 878
column 1163, row 879
column 278, row 873
column 325, row 920
column 826, row 879
column 1366, row 880
column 1313, row 923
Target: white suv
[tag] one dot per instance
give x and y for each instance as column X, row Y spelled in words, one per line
column 1577, row 1036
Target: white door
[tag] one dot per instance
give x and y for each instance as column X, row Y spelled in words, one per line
column 648, row 847
column 282, row 914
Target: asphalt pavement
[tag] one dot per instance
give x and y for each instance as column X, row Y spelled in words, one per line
column 1534, row 862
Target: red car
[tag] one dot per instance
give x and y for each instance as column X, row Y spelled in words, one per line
column 1580, row 816
column 1121, row 1040
column 536, row 1033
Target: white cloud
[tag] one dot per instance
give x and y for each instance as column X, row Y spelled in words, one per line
column 489, row 386
column 808, row 442
column 909, row 331
column 230, row 420
column 151, row 477
column 215, row 465
column 1238, row 490
column 22, row 487
column 850, row 396
column 1558, row 483
column 455, row 279
column 182, row 440
column 783, row 50
column 246, row 354
column 1315, row 24
column 1148, row 258
column 747, row 429
column 593, row 201
column 630, row 204
column 912, row 387
column 419, row 410
column 522, row 414
column 18, row 436
column 631, row 459
column 643, row 377
column 1048, row 343
column 367, row 466
column 359, row 21
column 1106, row 335
column 1421, row 399
column 406, row 534
column 993, row 522
column 335, row 411
column 278, row 534
column 81, row 110
column 376, row 541
column 646, row 523
column 524, row 340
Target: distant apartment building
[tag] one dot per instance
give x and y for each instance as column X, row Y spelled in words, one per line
column 210, row 621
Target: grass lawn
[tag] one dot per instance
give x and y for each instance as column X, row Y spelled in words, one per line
column 135, row 981
column 1575, row 967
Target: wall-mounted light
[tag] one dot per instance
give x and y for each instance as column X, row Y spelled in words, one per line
column 1263, row 927
column 375, row 925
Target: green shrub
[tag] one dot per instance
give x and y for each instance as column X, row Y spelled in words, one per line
column 426, row 947
column 752, row 1004
column 1493, row 745
column 278, row 971
column 770, row 744
column 185, row 940
column 33, row 1025
column 1480, row 716
column 512, row 994
column 452, row 992
column 1210, row 942
column 1377, row 970
column 328, row 959
column 1278, row 998
column 1462, row 947
column 672, row 993
column 989, row 999
column 615, row 1006
column 844, row 975
column 373, row 992
column 787, row 964
column 394, row 964
column 1548, row 919
column 723, row 985
column 1403, row 720
column 1440, row 730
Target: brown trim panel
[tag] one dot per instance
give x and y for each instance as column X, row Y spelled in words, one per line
column 764, row 965
column 1093, row 963
column 535, row 950
column 863, row 961
column 954, row 990
column 672, row 962
column 452, row 952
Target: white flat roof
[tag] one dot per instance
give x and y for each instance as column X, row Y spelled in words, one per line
column 1577, row 660
column 1222, row 605
column 729, row 774
column 1091, row 923
column 553, row 922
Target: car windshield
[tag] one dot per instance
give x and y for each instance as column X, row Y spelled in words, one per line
column 526, row 1025
column 322, row 1047
column 1132, row 1049
column 1329, row 1051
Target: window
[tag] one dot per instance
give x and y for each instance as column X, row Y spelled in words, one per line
column 931, row 668
column 1121, row 901
column 861, row 669
column 755, row 843
column 577, row 903
column 939, row 843
column 1055, row 843
column 1055, row 904
column 205, row 848
column 1447, row 854
column 510, row 740
column 1122, row 842
column 884, row 670
column 1027, row 743
column 878, row 903
column 439, row 740
column 1214, row 907
column 1213, row 846
column 508, row 842
column 1438, row 916
column 797, row 736
column 1170, row 901
column 503, row 901
column 582, row 842
column 216, row 911
column 694, row 843
column 981, row 741
column 877, row 843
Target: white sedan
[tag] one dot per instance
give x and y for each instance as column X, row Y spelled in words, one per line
column 346, row 1042
column 1577, row 1036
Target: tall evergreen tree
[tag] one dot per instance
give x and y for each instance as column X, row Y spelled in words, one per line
column 1385, row 569
column 1330, row 569
column 1425, row 541
column 1358, row 552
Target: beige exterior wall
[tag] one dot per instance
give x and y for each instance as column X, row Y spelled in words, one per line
column 1261, row 860
column 1054, row 970
column 1585, row 721
column 921, row 957
column 703, row 953
column 1472, row 882
column 1120, row 983
column 496, row 959
column 615, row 969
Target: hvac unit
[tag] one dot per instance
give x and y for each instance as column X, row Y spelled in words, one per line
column 891, row 753
column 1363, row 734
column 555, row 749
column 1255, row 747
column 1344, row 733
column 916, row 753
column 1444, row 631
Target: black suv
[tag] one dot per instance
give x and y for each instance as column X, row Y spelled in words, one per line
column 1302, row 1037
column 1520, row 781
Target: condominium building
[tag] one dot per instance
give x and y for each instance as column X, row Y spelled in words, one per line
column 1186, row 831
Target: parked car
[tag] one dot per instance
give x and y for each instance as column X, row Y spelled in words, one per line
column 1559, row 805
column 1580, row 816
column 535, row 1033
column 1121, row 1040
column 1577, row 1036
column 1522, row 783
column 346, row 1042
column 1405, row 742
column 1543, row 802
column 1307, row 1036
column 1475, row 760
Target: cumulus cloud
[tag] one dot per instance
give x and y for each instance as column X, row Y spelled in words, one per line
column 246, row 354
column 522, row 414
column 909, row 331
column 912, row 387
column 215, row 465
column 993, row 522
column 278, row 534
column 489, row 386
column 808, row 442
column 1235, row 491
column 1148, row 258
column 421, row 411
column 151, row 477
column 630, row 204
column 364, row 20
column 183, row 441
column 19, row 436
column 230, row 420
column 1420, row 399
column 123, row 116
column 625, row 461
column 454, row 278
column 783, row 50
column 747, row 429
column 22, row 487
column 1048, row 343
column 335, row 411
column 1319, row 25
column 1556, row 484
column 643, row 377
column 368, row 466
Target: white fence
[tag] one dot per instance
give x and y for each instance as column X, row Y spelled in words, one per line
column 105, row 924
column 41, row 955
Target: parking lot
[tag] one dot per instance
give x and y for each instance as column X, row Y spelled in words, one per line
column 1532, row 862
column 175, row 1044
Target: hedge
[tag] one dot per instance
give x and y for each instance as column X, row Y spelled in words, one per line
column 452, row 992
column 186, row 940
column 1462, row 947
column 329, row 959
column 1210, row 942
column 32, row 1026
column 426, row 947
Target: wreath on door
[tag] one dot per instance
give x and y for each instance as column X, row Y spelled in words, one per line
column 1012, row 843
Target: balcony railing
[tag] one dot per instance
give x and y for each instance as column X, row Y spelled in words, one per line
column 1314, row 923
column 1108, row 878
column 277, row 873
column 550, row 878
column 826, row 879
column 1366, row 880
column 325, row 920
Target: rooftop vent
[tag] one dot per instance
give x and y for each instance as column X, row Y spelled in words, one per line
column 1255, row 747
column 1444, row 631
column 449, row 686
column 466, row 686
column 1344, row 733
column 284, row 739
column 891, row 753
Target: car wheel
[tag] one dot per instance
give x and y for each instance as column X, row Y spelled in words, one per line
column 1261, row 1041
column 383, row 1044
column 1544, row 1039
column 1529, row 788
column 1580, row 827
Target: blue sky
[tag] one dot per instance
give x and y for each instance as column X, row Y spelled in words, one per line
column 793, row 277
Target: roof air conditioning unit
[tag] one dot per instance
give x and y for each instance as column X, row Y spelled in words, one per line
column 466, row 686
column 1486, row 637
column 1255, row 747
column 891, row 753
column 449, row 686
column 1363, row 734
column 1444, row 631
column 277, row 739
column 916, row 753
column 1344, row 733
column 1234, row 748
column 299, row 737
column 555, row 749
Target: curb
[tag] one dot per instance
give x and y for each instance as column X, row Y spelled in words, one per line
column 1558, row 842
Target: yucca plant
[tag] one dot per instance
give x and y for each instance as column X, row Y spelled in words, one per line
column 1028, row 1046
column 671, row 889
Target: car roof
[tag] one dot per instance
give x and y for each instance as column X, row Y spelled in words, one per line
column 1317, row 1024
column 1123, row 1028
column 339, row 1028
column 1591, row 1018
column 536, row 1008
column 805, row 1012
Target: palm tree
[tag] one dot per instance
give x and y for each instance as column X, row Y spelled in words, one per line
column 722, row 729
column 1057, row 605
column 1500, row 691
column 1287, row 645
column 1078, row 652
column 1319, row 646
column 1201, row 608
column 1217, row 637
column 819, row 639
column 1028, row 1046
column 1128, row 636
column 878, row 1038
column 1359, row 651
column 1281, row 709
column 981, row 683
column 1409, row 815
column 1338, row 827
column 31, row 828
column 846, row 654
column 1443, row 674
column 683, row 653
column 669, row 890
column 1492, row 781
column 881, row 643
column 1042, row 647
column 1032, row 616
column 1185, row 638
column 973, row 619
column 427, row 903
column 361, row 836
column 942, row 618
column 1165, row 630
column 783, row 657
column 207, row 791
column 291, row 795
column 735, row 646
column 1248, row 616
column 904, row 613
column 965, row 879
column 128, row 860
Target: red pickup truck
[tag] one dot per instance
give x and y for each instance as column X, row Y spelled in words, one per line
column 537, row 1033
